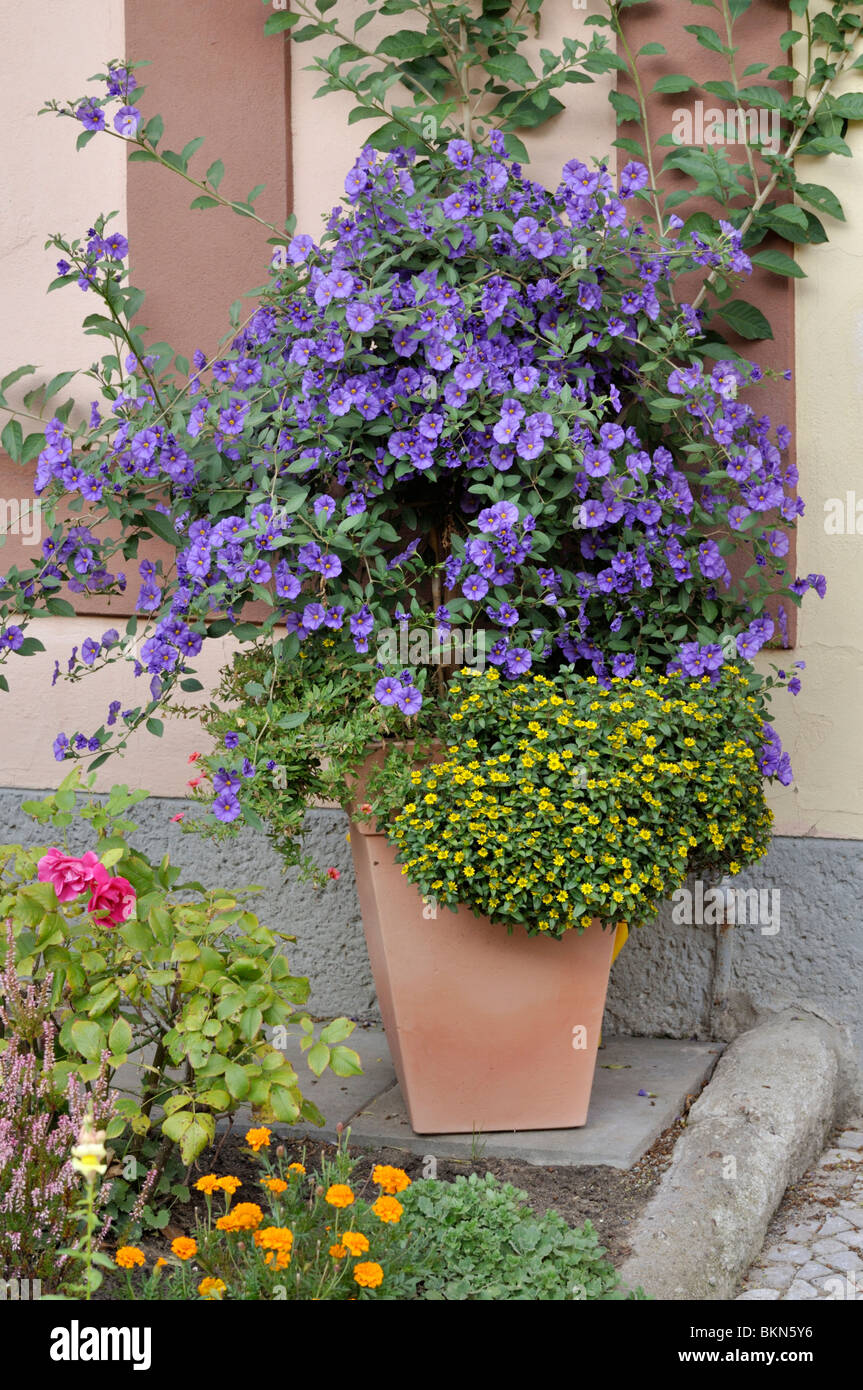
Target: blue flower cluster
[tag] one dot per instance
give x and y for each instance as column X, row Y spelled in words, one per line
column 477, row 400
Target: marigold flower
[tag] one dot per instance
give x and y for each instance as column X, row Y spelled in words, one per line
column 258, row 1138
column 184, row 1247
column 228, row 1184
column 278, row 1242
column 276, row 1185
column 391, row 1180
column 128, row 1256
column 160, row 1263
column 368, row 1275
column 245, row 1216
column 356, row 1242
column 338, row 1252
column 211, row 1289
column 388, row 1209
column 339, row 1195
column 209, row 1184
column 296, row 1168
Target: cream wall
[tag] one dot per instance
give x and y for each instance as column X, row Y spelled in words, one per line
column 821, row 726
column 49, row 50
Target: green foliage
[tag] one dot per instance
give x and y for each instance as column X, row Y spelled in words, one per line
column 480, row 1240
column 558, row 801
column 453, row 70
column 190, row 987
column 745, row 164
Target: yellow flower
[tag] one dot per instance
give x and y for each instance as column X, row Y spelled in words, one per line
column 368, row 1275
column 89, row 1156
column 245, row 1216
column 258, row 1138
column 388, row 1209
column 211, row 1289
column 184, row 1247
column 209, row 1184
column 391, row 1180
column 228, row 1184
column 339, row 1195
column 338, row 1252
column 128, row 1256
column 276, row 1185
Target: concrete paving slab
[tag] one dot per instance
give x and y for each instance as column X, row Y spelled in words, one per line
column 621, row 1125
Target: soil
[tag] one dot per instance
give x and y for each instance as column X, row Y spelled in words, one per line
column 609, row 1198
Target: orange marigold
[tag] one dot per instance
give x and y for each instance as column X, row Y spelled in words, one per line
column 160, row 1263
column 276, row 1185
column 388, row 1209
column 184, row 1247
column 391, row 1180
column 339, row 1195
column 128, row 1256
column 258, row 1138
column 368, row 1275
column 209, row 1184
column 210, row 1289
column 229, row 1184
column 356, row 1242
column 278, row 1242
column 296, row 1168
column 245, row 1216
column 338, row 1252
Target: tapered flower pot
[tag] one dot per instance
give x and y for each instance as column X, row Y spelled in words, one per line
column 488, row 1031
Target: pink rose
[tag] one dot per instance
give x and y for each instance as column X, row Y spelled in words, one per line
column 115, row 897
column 70, row 877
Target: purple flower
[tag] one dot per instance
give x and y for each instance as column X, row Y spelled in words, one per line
column 232, row 739
column 460, row 153
column 518, row 661
column 127, row 120
column 387, row 690
column 408, row 699
column 91, row 116
column 360, row 317
column 226, row 807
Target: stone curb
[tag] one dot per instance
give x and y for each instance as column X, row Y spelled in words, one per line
column 759, row 1125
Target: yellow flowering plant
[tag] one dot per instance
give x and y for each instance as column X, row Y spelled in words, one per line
column 557, row 800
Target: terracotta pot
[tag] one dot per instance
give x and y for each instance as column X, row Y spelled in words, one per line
column 488, row 1031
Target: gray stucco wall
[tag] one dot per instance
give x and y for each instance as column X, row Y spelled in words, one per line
column 671, row 980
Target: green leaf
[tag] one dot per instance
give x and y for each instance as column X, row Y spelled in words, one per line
column 512, row 67
column 344, row 1061
column 276, row 23
column 283, row 1105
column 236, row 1080
column 674, row 82
column 120, row 1036
column 406, row 44
column 627, row 107
column 204, row 202
column 87, row 1038
column 821, row 198
column 778, row 262
column 745, row 319
column 707, row 37
column 337, row 1030
column 12, row 440
column 318, row 1058
column 160, row 526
